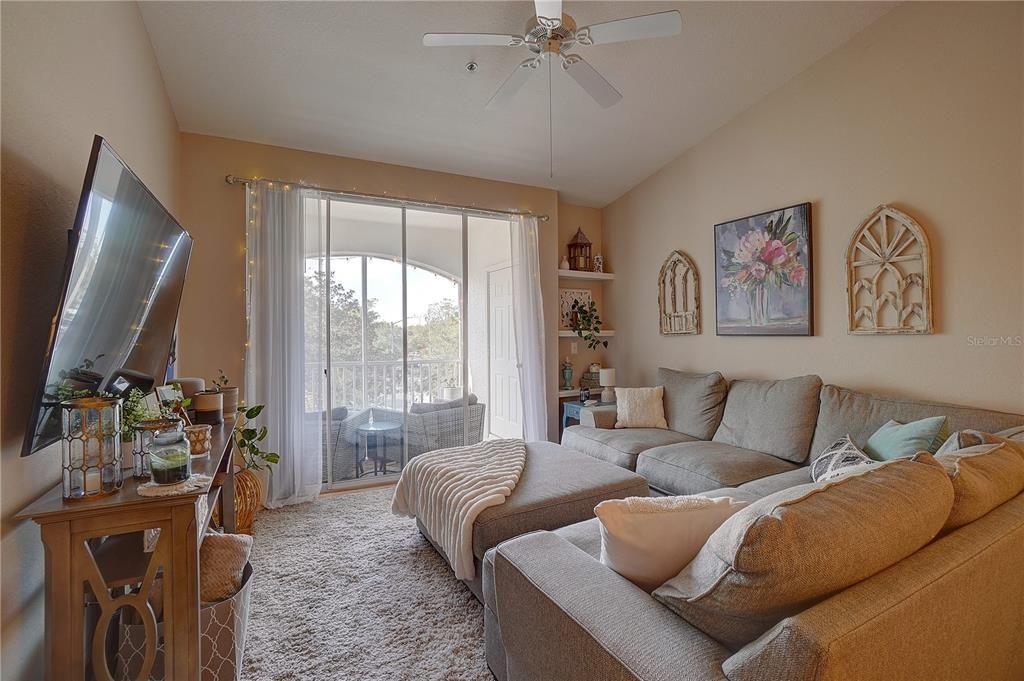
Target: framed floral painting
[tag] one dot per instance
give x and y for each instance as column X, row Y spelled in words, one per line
column 763, row 282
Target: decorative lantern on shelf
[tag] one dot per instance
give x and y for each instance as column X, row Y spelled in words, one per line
column 579, row 251
column 90, row 447
column 145, row 436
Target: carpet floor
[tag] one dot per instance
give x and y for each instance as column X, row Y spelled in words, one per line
column 344, row 590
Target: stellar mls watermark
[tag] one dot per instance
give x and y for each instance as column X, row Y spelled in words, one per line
column 996, row 341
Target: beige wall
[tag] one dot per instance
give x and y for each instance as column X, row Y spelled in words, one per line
column 922, row 110
column 212, row 315
column 69, row 71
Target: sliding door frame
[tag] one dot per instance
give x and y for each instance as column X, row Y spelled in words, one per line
column 463, row 289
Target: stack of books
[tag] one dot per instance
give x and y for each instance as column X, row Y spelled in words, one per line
column 590, row 379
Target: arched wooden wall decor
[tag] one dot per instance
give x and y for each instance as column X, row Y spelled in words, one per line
column 888, row 276
column 679, row 295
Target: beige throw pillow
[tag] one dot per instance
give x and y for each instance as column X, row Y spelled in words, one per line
column 222, row 560
column 791, row 549
column 647, row 540
column 640, row 407
column 984, row 476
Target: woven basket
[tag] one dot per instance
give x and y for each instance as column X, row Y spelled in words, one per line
column 248, row 493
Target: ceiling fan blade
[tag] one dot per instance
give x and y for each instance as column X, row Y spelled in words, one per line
column 513, row 83
column 658, row 25
column 590, row 80
column 551, row 10
column 471, row 40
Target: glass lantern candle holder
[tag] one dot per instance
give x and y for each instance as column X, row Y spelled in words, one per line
column 170, row 461
column 145, row 436
column 91, row 447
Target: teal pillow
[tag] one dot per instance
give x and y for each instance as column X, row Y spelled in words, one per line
column 897, row 440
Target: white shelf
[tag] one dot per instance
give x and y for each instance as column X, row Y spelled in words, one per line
column 579, row 274
column 565, row 333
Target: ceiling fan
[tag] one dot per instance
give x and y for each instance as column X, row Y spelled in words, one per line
column 551, row 34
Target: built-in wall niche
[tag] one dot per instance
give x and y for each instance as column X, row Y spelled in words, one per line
column 679, row 295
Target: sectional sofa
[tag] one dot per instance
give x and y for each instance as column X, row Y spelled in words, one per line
column 950, row 608
column 756, row 435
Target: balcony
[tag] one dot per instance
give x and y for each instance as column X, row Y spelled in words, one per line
column 374, row 389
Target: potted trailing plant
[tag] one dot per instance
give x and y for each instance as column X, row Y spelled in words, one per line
column 133, row 410
column 587, row 323
column 450, row 391
column 248, row 484
column 230, row 393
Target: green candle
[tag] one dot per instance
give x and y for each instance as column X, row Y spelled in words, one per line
column 169, row 459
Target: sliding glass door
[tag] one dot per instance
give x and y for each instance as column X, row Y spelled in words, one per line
column 387, row 372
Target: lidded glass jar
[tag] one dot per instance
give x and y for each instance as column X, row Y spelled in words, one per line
column 146, row 433
column 170, row 460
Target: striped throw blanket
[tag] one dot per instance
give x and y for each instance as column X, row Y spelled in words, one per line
column 447, row 489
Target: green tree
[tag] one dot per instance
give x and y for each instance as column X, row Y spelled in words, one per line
column 439, row 335
column 346, row 320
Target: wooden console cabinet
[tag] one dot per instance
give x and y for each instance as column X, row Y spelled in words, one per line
column 95, row 561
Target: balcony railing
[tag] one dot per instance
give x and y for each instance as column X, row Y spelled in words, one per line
column 359, row 385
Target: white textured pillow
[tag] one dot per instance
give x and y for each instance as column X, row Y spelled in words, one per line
column 648, row 540
column 640, row 408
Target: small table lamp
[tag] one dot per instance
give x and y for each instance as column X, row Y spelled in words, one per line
column 607, row 381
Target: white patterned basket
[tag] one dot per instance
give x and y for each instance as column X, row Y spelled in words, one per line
column 222, row 640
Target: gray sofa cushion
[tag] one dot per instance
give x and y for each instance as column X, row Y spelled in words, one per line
column 762, row 487
column 619, row 446
column 791, row 549
column 585, row 535
column 695, row 467
column 775, row 417
column 558, row 487
column 428, row 407
column 858, row 414
column 693, row 402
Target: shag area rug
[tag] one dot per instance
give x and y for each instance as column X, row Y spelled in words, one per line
column 344, row 590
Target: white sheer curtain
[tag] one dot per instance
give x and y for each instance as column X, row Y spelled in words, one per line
column 528, row 318
column 275, row 352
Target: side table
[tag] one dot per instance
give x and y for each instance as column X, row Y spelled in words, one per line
column 571, row 410
column 379, row 431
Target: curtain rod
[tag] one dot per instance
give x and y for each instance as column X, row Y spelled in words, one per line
column 232, row 179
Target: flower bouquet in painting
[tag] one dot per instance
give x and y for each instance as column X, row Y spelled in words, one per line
column 762, row 267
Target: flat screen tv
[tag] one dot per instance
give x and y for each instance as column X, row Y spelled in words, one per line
column 118, row 308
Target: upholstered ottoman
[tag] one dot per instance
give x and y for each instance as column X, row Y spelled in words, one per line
column 558, row 487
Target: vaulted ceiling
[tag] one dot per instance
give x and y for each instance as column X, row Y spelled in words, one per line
column 354, row 79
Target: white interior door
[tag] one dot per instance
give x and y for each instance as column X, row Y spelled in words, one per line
column 503, row 375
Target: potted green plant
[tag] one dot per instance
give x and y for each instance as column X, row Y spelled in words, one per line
column 230, row 393
column 248, row 484
column 450, row 391
column 133, row 410
column 587, row 323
